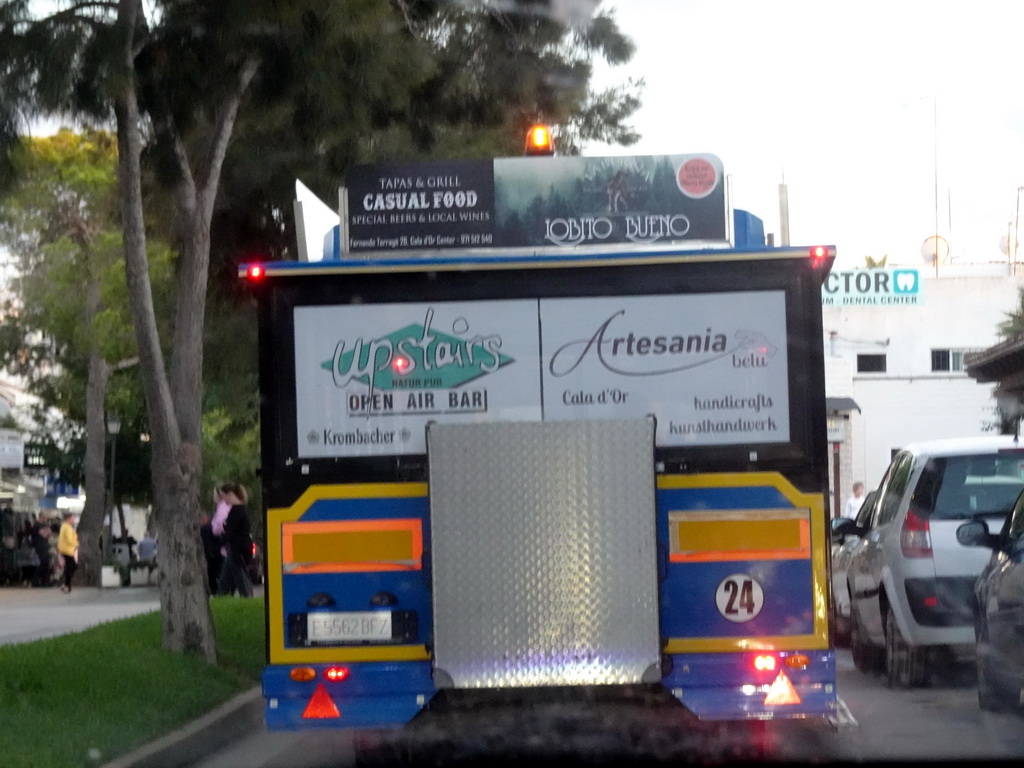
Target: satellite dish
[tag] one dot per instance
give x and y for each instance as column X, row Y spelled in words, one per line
column 934, row 247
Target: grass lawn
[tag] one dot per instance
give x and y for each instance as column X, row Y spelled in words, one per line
column 112, row 688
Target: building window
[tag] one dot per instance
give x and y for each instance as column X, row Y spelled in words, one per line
column 949, row 359
column 870, row 363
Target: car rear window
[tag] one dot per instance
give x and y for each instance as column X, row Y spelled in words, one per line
column 958, row 487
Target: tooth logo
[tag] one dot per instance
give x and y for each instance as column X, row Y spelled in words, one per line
column 905, row 280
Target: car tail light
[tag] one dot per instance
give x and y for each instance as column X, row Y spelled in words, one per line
column 915, row 538
column 764, row 663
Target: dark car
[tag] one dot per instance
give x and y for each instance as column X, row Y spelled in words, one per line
column 999, row 610
column 846, row 535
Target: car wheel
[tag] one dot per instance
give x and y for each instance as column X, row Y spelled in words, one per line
column 904, row 663
column 866, row 657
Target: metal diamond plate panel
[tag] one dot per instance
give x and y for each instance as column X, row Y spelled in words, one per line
column 543, row 553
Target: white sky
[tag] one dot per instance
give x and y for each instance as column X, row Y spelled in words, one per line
column 839, row 100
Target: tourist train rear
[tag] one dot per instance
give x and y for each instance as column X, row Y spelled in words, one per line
column 544, row 423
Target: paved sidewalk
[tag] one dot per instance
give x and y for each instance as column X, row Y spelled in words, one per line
column 28, row 614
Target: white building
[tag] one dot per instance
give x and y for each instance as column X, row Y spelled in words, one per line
column 897, row 352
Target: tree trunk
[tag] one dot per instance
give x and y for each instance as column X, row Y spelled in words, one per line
column 185, row 609
column 90, row 526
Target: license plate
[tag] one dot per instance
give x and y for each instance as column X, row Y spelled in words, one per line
column 368, row 625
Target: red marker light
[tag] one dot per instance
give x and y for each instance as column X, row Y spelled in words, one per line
column 336, row 674
column 255, row 271
column 762, row 663
column 400, row 364
column 819, row 252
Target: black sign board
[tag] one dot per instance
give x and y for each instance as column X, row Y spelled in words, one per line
column 421, row 206
column 536, row 202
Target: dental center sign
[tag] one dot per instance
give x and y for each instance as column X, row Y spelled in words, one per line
column 712, row 368
column 872, row 287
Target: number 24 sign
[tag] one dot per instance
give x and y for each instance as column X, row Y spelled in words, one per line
column 739, row 597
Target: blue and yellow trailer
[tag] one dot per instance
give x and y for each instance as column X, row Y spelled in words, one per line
column 555, row 469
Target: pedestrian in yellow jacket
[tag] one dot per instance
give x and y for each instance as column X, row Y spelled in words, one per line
column 67, row 546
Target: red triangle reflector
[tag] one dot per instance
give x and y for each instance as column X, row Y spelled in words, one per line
column 781, row 692
column 320, row 706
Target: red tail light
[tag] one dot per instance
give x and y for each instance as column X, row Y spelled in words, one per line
column 764, row 663
column 915, row 538
column 336, row 674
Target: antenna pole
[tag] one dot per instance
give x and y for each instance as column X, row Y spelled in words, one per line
column 783, row 214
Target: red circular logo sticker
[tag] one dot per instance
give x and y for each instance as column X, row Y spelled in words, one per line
column 697, row 178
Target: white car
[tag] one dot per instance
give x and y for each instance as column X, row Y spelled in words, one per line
column 910, row 582
column 846, row 537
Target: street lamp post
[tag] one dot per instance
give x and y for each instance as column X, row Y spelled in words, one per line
column 113, row 427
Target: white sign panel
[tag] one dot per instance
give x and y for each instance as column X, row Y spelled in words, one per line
column 712, row 368
column 370, row 377
column 12, row 449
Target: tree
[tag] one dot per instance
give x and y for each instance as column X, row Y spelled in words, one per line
column 1013, row 326
column 67, row 331
column 352, row 76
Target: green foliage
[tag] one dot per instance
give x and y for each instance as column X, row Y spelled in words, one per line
column 354, row 84
column 1013, row 326
column 498, row 71
column 61, row 222
column 336, row 83
column 231, row 450
column 872, row 263
column 115, row 688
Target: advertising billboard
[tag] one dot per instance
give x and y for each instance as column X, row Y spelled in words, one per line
column 560, row 202
column 712, row 368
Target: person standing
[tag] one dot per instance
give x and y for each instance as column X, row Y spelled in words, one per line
column 234, row 575
column 41, row 542
column 147, row 548
column 854, row 502
column 212, row 534
column 67, row 546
